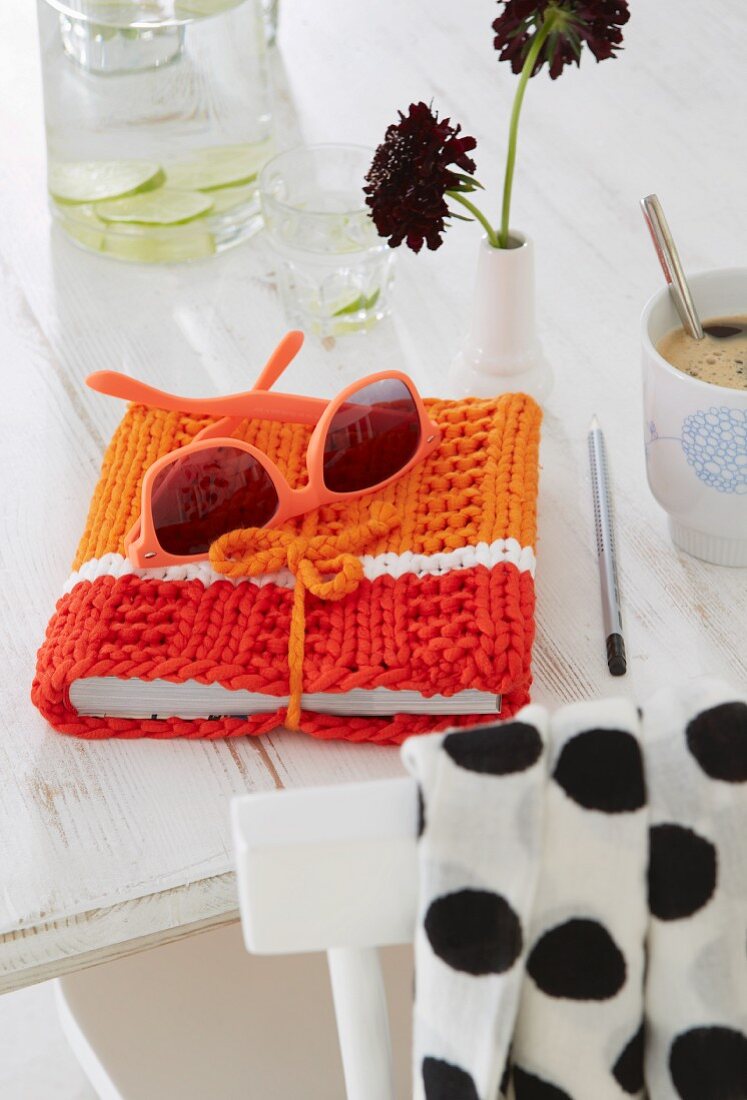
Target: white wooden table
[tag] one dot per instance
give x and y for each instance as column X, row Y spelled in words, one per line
column 108, row 847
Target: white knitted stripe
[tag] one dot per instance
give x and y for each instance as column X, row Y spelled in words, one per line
column 379, row 565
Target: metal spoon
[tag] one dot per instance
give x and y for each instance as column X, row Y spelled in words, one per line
column 669, row 259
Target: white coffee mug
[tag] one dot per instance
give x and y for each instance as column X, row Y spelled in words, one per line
column 695, row 432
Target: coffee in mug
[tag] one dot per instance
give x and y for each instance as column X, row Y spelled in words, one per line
column 719, row 358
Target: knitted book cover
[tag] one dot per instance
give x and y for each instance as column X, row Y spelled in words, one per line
column 433, row 585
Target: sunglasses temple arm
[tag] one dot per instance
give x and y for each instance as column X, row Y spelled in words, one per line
column 114, row 384
column 284, row 353
column 220, row 429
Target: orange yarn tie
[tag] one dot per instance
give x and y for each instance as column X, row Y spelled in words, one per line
column 325, row 565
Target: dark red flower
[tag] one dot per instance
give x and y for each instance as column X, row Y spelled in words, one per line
column 595, row 23
column 411, row 173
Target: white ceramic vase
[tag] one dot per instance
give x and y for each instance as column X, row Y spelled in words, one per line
column 502, row 353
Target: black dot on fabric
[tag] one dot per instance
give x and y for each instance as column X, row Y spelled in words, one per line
column 603, row 770
column 578, row 960
column 628, row 1069
column 717, row 738
column 474, row 931
column 529, row 1087
column 495, row 750
column 681, row 872
column 443, row 1081
column 421, row 812
column 709, row 1063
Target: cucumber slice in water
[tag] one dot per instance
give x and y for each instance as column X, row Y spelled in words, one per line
column 203, row 8
column 165, row 206
column 227, row 198
column 82, row 225
column 138, row 244
column 358, row 303
column 97, row 180
column 219, row 166
column 120, row 13
column 176, row 249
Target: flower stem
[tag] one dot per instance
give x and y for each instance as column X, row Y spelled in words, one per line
column 531, row 60
column 478, row 214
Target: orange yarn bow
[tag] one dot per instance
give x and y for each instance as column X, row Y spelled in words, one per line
column 325, row 565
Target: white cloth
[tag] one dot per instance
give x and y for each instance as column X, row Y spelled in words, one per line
column 480, row 854
column 696, row 987
column 582, row 1001
column 540, row 857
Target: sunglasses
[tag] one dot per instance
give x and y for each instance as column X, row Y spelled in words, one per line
column 368, row 436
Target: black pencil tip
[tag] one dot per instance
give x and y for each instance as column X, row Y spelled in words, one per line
column 616, row 661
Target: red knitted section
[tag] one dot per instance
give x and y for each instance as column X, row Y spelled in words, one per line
column 467, row 628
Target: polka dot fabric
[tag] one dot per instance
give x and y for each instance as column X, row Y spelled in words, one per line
column 482, row 796
column 435, row 590
column 582, row 1000
column 582, row 927
column 696, row 986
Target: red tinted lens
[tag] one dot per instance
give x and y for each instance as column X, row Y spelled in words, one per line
column 201, row 496
column 371, row 437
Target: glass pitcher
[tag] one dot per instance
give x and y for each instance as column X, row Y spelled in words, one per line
column 158, row 121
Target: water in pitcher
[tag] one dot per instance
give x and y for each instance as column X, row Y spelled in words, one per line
column 158, row 121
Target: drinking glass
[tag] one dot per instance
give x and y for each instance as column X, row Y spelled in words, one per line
column 158, row 122
column 334, row 270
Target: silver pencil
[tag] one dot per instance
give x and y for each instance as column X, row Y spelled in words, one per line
column 612, row 618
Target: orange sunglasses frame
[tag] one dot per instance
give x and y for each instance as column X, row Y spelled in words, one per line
column 141, row 541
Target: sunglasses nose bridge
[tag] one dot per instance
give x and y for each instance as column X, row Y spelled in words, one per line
column 307, row 497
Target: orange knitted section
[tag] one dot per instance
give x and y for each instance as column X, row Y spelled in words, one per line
column 437, row 623
column 478, row 486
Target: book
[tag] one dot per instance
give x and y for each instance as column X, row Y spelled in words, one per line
column 109, row 697
column 436, row 632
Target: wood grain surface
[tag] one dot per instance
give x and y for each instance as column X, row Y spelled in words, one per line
column 105, row 847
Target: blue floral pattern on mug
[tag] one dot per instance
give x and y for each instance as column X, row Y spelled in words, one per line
column 714, row 442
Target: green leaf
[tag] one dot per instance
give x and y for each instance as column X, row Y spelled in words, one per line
column 470, row 181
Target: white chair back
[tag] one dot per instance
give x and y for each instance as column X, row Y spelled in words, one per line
column 334, row 869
